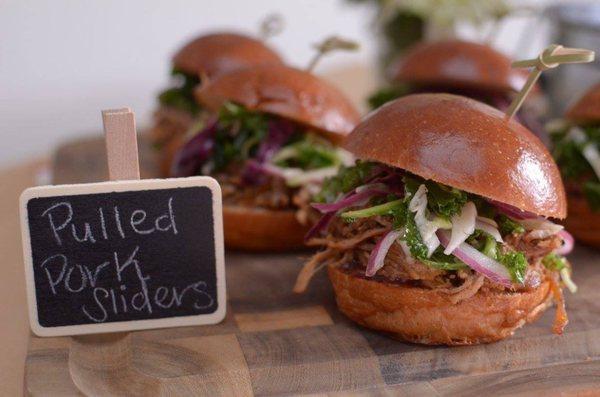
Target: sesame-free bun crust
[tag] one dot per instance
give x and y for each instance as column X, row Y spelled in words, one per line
column 218, row 53
column 427, row 316
column 458, row 64
column 258, row 229
column 465, row 144
column 587, row 108
column 287, row 92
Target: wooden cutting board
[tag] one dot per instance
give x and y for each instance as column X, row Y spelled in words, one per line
column 275, row 342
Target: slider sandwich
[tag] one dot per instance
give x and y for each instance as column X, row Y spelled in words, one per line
column 270, row 142
column 203, row 58
column 440, row 233
column 463, row 68
column 576, row 140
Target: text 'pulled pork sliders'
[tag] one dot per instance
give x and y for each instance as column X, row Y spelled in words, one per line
column 464, row 68
column 576, row 150
column 440, row 233
column 270, row 144
column 205, row 57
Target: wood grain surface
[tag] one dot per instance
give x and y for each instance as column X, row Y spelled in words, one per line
column 276, row 342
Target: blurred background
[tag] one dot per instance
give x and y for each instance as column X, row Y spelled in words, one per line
column 62, row 61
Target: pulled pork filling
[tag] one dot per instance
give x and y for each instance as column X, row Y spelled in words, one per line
column 575, row 149
column 260, row 160
column 390, row 226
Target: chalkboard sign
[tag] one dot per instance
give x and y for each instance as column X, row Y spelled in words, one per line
column 121, row 256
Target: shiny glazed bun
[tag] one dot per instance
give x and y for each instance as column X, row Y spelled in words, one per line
column 427, row 316
column 219, row 53
column 458, row 64
column 258, row 229
column 582, row 222
column 587, row 108
column 465, row 144
column 287, row 92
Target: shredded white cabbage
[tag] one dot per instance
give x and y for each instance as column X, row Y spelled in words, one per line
column 565, row 276
column 463, row 225
column 427, row 228
column 489, row 226
column 406, row 250
column 540, row 227
column 295, row 177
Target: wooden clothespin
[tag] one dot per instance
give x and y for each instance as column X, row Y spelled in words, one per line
column 121, row 144
column 550, row 58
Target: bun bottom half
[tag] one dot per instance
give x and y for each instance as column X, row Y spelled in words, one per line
column 582, row 222
column 258, row 229
column 425, row 316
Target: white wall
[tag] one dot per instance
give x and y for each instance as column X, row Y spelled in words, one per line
column 61, row 61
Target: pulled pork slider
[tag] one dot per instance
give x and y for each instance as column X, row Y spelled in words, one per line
column 270, row 143
column 463, row 68
column 439, row 234
column 205, row 57
column 576, row 140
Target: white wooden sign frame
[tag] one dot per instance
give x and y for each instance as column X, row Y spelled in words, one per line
column 124, row 186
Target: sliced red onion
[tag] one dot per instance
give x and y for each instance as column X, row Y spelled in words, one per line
column 321, row 225
column 349, row 200
column 279, row 132
column 377, row 257
column 568, row 243
column 478, row 261
column 511, row 211
column 489, row 229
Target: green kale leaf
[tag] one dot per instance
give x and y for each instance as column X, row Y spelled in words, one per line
column 347, row 179
column 554, row 262
column 182, row 95
column 592, row 194
column 386, row 94
column 441, row 200
column 413, row 238
column 508, row 226
column 308, row 154
column 516, row 263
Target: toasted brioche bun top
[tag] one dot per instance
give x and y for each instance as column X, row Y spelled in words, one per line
column 458, row 64
column 287, row 92
column 466, row 144
column 587, row 108
column 218, row 53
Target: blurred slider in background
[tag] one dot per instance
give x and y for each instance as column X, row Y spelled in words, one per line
column 200, row 60
column 573, row 25
column 270, row 141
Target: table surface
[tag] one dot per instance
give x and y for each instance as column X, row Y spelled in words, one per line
column 277, row 341
column 14, row 331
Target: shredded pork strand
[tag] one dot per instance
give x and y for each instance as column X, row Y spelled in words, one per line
column 169, row 123
column 560, row 320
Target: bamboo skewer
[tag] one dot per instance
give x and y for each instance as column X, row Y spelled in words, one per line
column 330, row 44
column 550, row 58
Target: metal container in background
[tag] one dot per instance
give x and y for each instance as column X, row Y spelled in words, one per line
column 573, row 25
